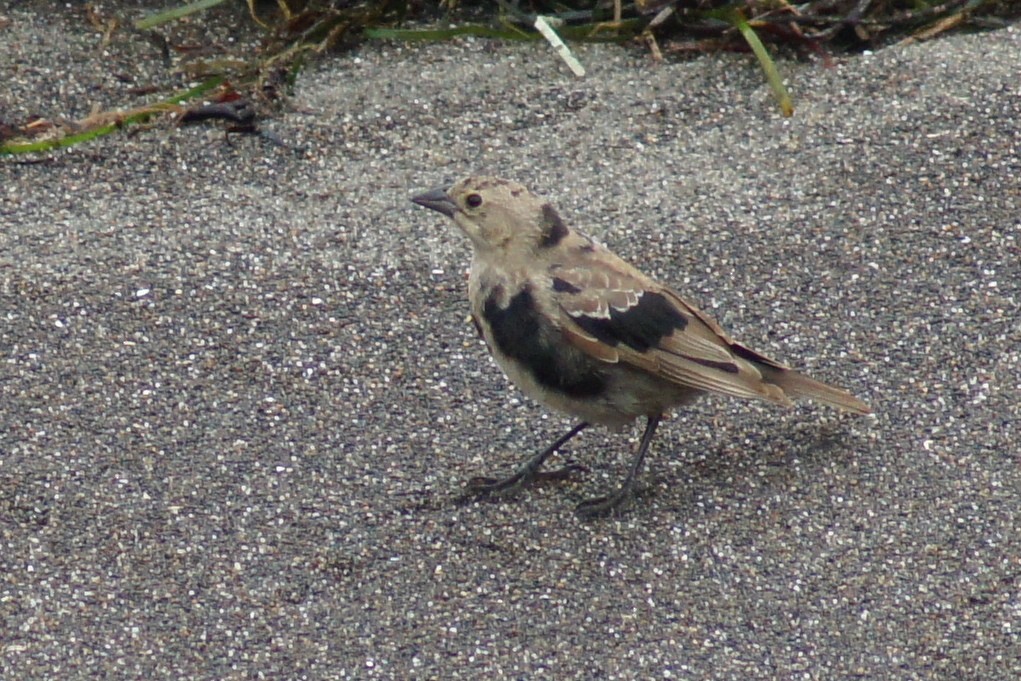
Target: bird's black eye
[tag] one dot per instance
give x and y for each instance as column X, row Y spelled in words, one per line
column 473, row 200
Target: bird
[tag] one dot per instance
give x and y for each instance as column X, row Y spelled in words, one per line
column 581, row 331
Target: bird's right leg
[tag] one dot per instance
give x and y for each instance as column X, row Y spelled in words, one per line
column 529, row 471
column 608, row 505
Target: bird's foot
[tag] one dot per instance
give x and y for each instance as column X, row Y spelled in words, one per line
column 602, row 507
column 484, row 486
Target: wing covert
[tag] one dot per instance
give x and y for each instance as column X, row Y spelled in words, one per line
column 616, row 314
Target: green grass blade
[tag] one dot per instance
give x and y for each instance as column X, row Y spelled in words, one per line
column 768, row 65
column 176, row 13
column 583, row 33
column 441, row 34
column 85, row 136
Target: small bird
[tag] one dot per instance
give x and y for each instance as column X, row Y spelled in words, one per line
column 581, row 331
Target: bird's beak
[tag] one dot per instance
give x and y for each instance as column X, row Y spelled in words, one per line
column 438, row 200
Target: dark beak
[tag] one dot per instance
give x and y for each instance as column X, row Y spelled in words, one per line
column 438, row 200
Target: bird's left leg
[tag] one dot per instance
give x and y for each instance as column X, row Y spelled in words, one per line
column 529, row 471
column 602, row 506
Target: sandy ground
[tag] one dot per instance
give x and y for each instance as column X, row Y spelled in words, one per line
column 239, row 394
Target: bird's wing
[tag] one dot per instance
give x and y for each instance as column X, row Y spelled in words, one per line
column 614, row 313
column 792, row 383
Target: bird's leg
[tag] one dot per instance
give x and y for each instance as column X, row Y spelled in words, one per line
column 603, row 506
column 529, row 471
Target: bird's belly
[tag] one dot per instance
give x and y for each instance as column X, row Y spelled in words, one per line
column 617, row 394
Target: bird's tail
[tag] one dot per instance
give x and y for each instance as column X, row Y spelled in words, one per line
column 798, row 385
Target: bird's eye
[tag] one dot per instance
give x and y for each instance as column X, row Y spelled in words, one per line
column 473, row 200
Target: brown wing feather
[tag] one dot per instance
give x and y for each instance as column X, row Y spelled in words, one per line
column 793, row 383
column 603, row 289
column 598, row 296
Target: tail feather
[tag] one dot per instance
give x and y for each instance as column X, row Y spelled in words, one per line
column 798, row 385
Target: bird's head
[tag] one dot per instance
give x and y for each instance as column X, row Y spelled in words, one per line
column 498, row 215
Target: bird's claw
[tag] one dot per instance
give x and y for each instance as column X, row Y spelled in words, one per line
column 602, row 507
column 482, row 485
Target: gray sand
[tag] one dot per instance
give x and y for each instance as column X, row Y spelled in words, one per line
column 239, row 393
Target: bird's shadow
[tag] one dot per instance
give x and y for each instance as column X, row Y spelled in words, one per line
column 750, row 463
column 678, row 476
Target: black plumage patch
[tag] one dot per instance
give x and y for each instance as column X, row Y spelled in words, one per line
column 752, row 356
column 564, row 286
column 520, row 332
column 641, row 326
column 729, row 367
column 553, row 228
